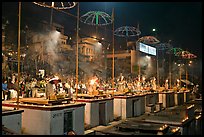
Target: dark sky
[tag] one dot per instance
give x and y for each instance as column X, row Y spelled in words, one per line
column 180, row 22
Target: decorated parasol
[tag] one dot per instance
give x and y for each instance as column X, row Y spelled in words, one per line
column 96, row 18
column 148, row 40
column 189, row 56
column 127, row 31
column 174, row 50
column 186, row 55
column 57, row 5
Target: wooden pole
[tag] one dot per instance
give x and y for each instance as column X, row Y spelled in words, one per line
column 138, row 60
column 77, row 48
column 19, row 28
column 170, row 70
column 158, row 68
column 113, row 63
column 186, row 73
column 180, row 73
column 139, row 64
column 51, row 19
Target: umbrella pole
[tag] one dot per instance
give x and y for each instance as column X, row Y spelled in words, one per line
column 180, row 73
column 158, row 69
column 186, row 74
column 19, row 27
column 77, row 45
column 113, row 54
column 170, row 70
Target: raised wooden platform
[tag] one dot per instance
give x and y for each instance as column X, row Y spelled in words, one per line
column 42, row 101
column 87, row 96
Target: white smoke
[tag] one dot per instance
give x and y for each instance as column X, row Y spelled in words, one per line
column 148, row 66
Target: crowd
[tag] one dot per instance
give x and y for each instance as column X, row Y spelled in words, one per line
column 52, row 84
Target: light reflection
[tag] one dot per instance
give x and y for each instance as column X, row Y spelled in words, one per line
column 175, row 129
column 190, row 106
column 185, row 119
column 198, row 117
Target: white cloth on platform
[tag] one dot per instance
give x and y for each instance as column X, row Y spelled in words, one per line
column 13, row 93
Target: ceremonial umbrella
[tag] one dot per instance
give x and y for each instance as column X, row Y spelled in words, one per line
column 148, row 40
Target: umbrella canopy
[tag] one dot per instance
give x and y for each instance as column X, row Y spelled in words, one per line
column 186, row 55
column 174, row 50
column 148, row 40
column 127, row 31
column 189, row 56
column 96, row 18
column 57, row 5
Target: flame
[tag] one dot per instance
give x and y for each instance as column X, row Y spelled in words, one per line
column 92, row 81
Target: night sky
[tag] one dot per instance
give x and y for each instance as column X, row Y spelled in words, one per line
column 179, row 22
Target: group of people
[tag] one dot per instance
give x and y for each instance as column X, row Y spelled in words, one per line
column 37, row 87
column 8, row 89
column 49, row 85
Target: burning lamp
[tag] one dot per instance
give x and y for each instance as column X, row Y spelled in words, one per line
column 92, row 82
